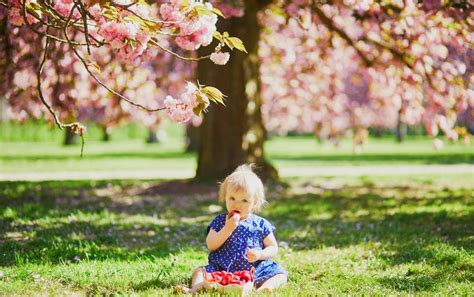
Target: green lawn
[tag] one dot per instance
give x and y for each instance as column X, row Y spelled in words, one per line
column 300, row 152
column 352, row 236
column 34, row 147
column 383, row 150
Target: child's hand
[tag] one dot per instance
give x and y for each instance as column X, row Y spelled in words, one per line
column 233, row 221
column 253, row 255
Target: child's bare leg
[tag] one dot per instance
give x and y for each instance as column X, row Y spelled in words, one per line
column 272, row 283
column 197, row 281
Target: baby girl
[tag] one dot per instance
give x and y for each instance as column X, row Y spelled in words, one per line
column 240, row 239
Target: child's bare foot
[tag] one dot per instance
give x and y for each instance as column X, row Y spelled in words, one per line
column 186, row 290
column 265, row 290
column 181, row 290
column 194, row 290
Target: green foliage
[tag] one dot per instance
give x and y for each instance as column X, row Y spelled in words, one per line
column 214, row 94
column 230, row 42
column 218, row 12
column 360, row 236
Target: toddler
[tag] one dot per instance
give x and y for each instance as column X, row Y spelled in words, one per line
column 239, row 239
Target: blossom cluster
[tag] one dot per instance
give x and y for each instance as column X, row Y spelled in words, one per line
column 181, row 109
column 315, row 81
column 72, row 93
column 127, row 26
column 194, row 30
column 124, row 33
column 15, row 16
column 65, row 7
column 234, row 8
column 220, row 58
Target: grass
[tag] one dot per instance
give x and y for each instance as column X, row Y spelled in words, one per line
column 127, row 150
column 351, row 236
column 415, row 150
column 37, row 131
column 305, row 152
column 127, row 155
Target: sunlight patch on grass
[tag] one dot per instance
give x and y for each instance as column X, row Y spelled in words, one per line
column 350, row 236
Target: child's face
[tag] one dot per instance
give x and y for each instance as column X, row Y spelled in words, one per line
column 239, row 200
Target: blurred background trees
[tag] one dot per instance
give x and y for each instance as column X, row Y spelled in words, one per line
column 332, row 69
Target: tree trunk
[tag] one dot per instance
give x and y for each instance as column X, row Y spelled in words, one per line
column 152, row 136
column 234, row 134
column 401, row 129
column 378, row 132
column 106, row 131
column 192, row 138
column 5, row 76
column 3, row 109
column 70, row 137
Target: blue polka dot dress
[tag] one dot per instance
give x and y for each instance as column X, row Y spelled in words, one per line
column 232, row 255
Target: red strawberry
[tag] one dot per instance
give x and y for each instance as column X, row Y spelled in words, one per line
column 246, row 276
column 236, row 282
column 225, row 278
column 233, row 213
column 217, row 278
column 220, row 273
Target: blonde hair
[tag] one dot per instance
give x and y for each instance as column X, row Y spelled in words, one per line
column 243, row 178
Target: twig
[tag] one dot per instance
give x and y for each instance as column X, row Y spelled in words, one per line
column 395, row 52
column 30, row 26
column 84, row 20
column 60, row 125
column 154, row 42
column 97, row 79
column 38, row 86
column 127, row 6
column 332, row 27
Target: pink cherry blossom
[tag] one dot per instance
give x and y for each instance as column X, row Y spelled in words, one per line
column 15, row 17
column 220, row 58
column 170, row 12
column 64, row 7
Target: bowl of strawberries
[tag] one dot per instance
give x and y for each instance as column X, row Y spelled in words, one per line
column 238, row 282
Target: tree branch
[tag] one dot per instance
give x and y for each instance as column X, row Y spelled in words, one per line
column 76, row 127
column 332, row 27
column 127, row 8
column 96, row 78
column 395, row 52
column 155, row 42
column 83, row 12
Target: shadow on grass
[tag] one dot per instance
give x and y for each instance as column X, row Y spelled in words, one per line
column 72, row 242
column 155, row 283
column 57, row 221
column 343, row 218
column 164, row 199
column 420, row 283
column 419, row 280
column 437, row 230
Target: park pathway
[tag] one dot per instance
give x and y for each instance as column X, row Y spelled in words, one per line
column 287, row 171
